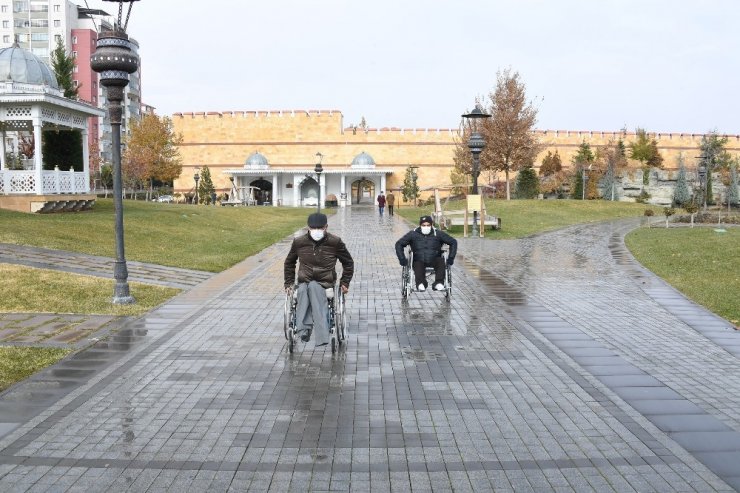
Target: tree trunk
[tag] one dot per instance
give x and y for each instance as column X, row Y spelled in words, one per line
column 508, row 191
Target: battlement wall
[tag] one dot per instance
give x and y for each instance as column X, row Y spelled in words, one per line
column 291, row 138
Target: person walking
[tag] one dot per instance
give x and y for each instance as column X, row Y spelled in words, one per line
column 390, row 201
column 381, row 202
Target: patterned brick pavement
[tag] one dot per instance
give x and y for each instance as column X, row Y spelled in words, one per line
column 559, row 365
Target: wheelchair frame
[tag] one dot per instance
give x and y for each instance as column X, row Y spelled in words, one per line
column 337, row 318
column 408, row 283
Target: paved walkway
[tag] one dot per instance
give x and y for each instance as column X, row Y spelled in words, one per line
column 559, row 365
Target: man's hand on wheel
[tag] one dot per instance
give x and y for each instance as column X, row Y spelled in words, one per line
column 345, row 289
column 403, row 262
column 450, row 261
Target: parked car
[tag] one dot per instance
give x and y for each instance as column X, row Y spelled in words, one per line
column 165, row 198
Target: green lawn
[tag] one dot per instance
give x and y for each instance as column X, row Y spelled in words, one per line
column 29, row 290
column 18, row 363
column 520, row 218
column 699, row 262
column 210, row 238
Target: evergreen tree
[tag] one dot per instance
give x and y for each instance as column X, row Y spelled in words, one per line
column 551, row 164
column 713, row 154
column 527, row 184
column 577, row 188
column 681, row 194
column 63, row 65
column 205, row 186
column 585, row 155
column 732, row 192
column 410, row 190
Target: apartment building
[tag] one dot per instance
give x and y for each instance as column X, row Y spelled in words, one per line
column 37, row 25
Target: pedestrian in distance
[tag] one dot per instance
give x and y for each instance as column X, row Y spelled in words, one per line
column 426, row 243
column 390, row 201
column 381, row 202
column 317, row 252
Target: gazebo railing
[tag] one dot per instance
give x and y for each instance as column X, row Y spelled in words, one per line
column 53, row 182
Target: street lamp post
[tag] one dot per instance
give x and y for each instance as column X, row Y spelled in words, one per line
column 476, row 144
column 701, row 171
column 583, row 183
column 319, row 169
column 114, row 59
column 196, row 177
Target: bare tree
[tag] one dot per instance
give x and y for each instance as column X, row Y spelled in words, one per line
column 510, row 143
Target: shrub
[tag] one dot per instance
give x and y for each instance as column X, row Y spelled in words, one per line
column 643, row 197
column 649, row 212
column 527, row 184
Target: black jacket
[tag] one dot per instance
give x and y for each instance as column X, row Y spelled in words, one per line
column 318, row 260
column 426, row 247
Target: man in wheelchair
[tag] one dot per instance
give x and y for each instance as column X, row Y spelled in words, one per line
column 426, row 244
column 318, row 252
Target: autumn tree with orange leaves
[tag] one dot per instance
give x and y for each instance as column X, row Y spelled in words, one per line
column 151, row 152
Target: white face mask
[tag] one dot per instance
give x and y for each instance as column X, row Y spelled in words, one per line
column 426, row 230
column 316, row 234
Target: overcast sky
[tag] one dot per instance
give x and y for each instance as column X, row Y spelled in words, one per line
column 665, row 65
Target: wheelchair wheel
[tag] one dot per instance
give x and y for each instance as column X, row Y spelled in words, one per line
column 333, row 343
column 342, row 326
column 287, row 314
column 448, row 283
column 405, row 281
column 291, row 341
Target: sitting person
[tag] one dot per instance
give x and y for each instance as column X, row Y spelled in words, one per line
column 426, row 242
column 318, row 252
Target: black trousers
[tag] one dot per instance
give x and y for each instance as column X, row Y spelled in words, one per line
column 439, row 271
column 390, row 210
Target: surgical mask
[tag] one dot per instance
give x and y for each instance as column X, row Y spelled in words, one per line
column 426, row 230
column 317, row 234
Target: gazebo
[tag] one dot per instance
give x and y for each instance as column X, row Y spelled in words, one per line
column 30, row 101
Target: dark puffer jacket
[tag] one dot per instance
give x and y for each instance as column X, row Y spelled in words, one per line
column 318, row 260
column 426, row 247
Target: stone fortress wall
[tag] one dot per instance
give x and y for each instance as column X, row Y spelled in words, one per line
column 291, row 139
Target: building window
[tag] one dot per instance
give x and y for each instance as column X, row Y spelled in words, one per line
column 6, row 24
column 57, row 23
column 74, row 54
column 74, row 40
column 4, row 8
column 6, row 39
column 75, row 69
column 57, row 38
column 39, row 36
column 74, row 82
column 56, row 8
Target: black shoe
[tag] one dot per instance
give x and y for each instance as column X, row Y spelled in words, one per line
column 306, row 336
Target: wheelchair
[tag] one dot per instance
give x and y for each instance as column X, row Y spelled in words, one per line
column 337, row 317
column 409, row 284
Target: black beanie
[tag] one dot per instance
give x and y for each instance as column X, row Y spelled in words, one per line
column 426, row 219
column 317, row 220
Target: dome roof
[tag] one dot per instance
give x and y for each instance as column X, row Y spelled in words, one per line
column 363, row 160
column 256, row 161
column 19, row 65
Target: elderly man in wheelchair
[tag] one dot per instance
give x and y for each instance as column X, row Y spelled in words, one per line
column 426, row 243
column 315, row 303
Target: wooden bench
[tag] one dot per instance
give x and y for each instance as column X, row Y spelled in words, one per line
column 457, row 218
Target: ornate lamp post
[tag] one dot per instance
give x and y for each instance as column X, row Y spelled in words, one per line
column 701, row 172
column 196, row 177
column 476, row 144
column 114, row 59
column 319, row 169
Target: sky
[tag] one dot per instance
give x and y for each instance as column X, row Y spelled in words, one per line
column 662, row 65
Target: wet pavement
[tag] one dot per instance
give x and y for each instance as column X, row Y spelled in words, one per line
column 559, row 365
